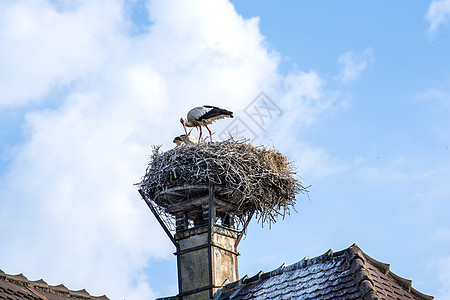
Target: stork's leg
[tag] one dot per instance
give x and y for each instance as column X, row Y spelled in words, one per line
column 210, row 134
column 200, row 137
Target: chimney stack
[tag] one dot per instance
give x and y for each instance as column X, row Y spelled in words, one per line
column 206, row 238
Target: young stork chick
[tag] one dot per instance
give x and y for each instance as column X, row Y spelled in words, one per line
column 183, row 140
column 204, row 116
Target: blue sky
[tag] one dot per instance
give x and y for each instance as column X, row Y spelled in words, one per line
column 87, row 88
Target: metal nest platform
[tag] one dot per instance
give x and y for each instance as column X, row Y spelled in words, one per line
column 194, row 196
column 199, row 208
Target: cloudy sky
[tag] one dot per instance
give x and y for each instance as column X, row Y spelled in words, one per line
column 87, row 87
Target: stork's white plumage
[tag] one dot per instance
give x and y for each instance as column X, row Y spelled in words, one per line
column 204, row 116
column 183, row 139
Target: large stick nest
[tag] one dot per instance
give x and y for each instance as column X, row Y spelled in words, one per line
column 248, row 178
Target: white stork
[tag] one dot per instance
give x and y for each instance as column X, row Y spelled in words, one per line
column 185, row 140
column 204, row 116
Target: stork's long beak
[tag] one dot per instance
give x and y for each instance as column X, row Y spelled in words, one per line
column 185, row 128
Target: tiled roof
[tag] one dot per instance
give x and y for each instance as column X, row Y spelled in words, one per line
column 19, row 287
column 347, row 274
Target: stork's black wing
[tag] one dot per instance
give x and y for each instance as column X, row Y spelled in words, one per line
column 215, row 112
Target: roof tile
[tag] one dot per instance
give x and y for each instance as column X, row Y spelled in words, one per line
column 14, row 287
column 347, row 274
column 39, row 283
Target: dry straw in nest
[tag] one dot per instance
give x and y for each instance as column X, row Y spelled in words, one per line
column 255, row 178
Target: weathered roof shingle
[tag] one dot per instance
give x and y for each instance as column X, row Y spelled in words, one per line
column 347, row 274
column 17, row 287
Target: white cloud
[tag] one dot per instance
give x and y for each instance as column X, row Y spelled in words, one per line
column 43, row 48
column 317, row 162
column 68, row 201
column 438, row 14
column 353, row 64
column 442, row 264
column 72, row 182
column 304, row 100
column 441, row 235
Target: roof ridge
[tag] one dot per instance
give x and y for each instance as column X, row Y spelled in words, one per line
column 19, row 278
column 80, row 293
column 40, row 285
column 364, row 270
column 385, row 269
column 39, row 282
column 360, row 273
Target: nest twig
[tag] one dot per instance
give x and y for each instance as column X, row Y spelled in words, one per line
column 252, row 178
